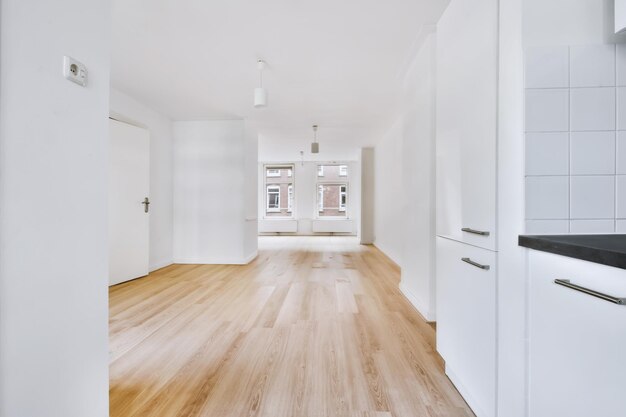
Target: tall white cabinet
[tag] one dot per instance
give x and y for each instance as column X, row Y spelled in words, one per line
column 467, row 112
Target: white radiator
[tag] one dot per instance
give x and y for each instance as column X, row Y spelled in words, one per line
column 274, row 226
column 332, row 226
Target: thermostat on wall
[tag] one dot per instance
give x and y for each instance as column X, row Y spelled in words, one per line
column 74, row 71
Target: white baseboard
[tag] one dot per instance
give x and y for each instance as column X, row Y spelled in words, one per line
column 471, row 401
column 416, row 302
column 250, row 257
column 217, row 261
column 160, row 264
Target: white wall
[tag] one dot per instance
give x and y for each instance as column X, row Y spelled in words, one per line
column 305, row 198
column 404, row 219
column 390, row 200
column 418, row 172
column 368, row 193
column 214, row 203
column 53, row 202
column 568, row 22
column 127, row 109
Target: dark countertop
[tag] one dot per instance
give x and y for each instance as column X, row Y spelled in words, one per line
column 602, row 249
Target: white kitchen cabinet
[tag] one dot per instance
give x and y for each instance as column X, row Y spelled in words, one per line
column 467, row 58
column 620, row 15
column 577, row 344
column 466, row 321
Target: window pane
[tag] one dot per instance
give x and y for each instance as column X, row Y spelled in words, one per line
column 278, row 172
column 279, row 190
column 332, row 200
column 333, row 172
column 279, row 200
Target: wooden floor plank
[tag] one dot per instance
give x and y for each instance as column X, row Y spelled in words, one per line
column 314, row 327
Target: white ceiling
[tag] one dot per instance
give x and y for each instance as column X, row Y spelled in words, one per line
column 337, row 63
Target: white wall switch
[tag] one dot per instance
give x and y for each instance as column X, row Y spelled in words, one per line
column 74, row 71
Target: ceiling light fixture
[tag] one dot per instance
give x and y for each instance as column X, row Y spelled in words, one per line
column 260, row 93
column 315, row 146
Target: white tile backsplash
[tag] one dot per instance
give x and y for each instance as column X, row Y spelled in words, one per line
column 547, row 67
column 592, row 66
column 621, row 108
column 620, row 64
column 592, row 226
column 621, row 153
column 592, row 153
column 576, row 139
column 620, row 191
column 547, row 197
column 547, row 227
column 547, row 153
column 547, row 110
column 592, row 197
column 592, row 109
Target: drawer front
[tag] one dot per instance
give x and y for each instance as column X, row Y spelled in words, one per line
column 466, row 320
column 577, row 341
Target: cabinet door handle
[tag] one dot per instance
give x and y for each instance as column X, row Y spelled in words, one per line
column 476, row 264
column 605, row 297
column 476, row 232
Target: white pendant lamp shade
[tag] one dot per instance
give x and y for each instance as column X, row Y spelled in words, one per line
column 315, row 146
column 260, row 93
column 260, row 97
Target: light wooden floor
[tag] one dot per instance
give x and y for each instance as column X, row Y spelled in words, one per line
column 313, row 327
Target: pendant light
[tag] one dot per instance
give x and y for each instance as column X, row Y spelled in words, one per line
column 260, row 93
column 315, row 146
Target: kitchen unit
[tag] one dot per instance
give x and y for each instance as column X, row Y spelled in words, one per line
column 620, row 16
column 577, row 325
column 467, row 134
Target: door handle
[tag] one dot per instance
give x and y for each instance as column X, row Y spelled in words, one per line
column 476, row 264
column 146, row 205
column 593, row 293
column 476, row 232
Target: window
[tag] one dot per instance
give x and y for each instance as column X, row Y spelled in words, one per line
column 320, row 170
column 343, row 170
column 343, row 198
column 273, row 198
column 279, row 191
column 320, row 198
column 332, row 200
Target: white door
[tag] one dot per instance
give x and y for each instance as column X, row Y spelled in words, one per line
column 467, row 46
column 129, row 186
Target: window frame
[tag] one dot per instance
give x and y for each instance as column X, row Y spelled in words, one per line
column 320, row 198
column 273, row 174
column 343, row 193
column 277, row 181
column 320, row 170
column 268, row 209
